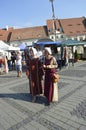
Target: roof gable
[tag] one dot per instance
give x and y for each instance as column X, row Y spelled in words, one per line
column 52, row 25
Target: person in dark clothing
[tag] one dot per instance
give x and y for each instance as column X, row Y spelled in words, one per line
column 13, row 58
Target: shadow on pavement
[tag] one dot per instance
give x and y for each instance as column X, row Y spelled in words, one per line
column 8, row 76
column 24, row 96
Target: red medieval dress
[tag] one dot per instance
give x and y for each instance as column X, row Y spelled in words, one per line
column 34, row 72
column 49, row 86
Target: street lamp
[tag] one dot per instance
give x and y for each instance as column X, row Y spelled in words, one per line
column 53, row 16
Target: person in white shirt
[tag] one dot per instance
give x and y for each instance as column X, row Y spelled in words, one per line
column 19, row 64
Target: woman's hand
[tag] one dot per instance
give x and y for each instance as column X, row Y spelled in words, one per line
column 46, row 66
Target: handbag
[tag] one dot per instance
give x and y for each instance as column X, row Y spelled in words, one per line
column 55, row 77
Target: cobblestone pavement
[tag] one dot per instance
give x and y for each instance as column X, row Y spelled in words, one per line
column 17, row 112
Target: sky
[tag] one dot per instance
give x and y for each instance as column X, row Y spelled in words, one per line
column 29, row 13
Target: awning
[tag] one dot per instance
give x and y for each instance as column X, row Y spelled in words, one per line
column 48, row 43
column 71, row 42
column 22, row 46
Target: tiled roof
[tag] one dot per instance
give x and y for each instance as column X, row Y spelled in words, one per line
column 29, row 33
column 11, row 34
column 4, row 35
column 70, row 27
column 73, row 26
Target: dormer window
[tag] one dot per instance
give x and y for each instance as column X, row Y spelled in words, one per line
column 71, row 32
column 78, row 31
column 50, row 30
column 79, row 24
column 1, row 34
column 69, row 24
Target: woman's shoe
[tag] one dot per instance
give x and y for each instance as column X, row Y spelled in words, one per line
column 34, row 99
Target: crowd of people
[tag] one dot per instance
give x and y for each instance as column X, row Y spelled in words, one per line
column 40, row 68
column 11, row 61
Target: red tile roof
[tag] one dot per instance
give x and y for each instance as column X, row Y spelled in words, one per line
column 11, row 34
column 4, row 35
column 73, row 26
column 29, row 33
column 70, row 27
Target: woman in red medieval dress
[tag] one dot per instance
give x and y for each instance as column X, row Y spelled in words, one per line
column 50, row 65
column 34, row 71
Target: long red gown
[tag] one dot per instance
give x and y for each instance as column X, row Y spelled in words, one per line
column 48, row 83
column 35, row 73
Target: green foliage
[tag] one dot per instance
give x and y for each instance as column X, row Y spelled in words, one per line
column 76, row 55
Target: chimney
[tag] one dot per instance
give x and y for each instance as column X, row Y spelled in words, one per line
column 7, row 27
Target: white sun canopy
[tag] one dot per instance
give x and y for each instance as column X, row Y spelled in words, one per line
column 5, row 47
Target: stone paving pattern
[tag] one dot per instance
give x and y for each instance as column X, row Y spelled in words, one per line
column 17, row 112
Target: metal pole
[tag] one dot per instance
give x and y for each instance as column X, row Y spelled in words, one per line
column 53, row 16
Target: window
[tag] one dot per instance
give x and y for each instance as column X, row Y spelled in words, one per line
column 50, row 30
column 62, row 36
column 52, row 37
column 81, row 38
column 75, row 38
column 78, row 31
column 71, row 32
column 69, row 24
column 57, row 37
column 1, row 34
column 79, row 24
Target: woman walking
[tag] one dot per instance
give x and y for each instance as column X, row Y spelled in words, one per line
column 50, row 65
column 34, row 72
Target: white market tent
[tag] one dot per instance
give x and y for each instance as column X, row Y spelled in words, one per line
column 22, row 46
column 5, row 47
column 1, row 51
column 11, row 48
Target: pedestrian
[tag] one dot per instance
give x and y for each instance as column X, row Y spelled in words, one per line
column 13, row 58
column 34, row 72
column 9, row 61
column 19, row 64
column 50, row 65
column 66, row 56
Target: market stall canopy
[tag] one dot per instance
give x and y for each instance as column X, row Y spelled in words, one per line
column 71, row 42
column 22, row 46
column 1, row 51
column 48, row 43
column 6, row 47
column 11, row 48
column 3, row 45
